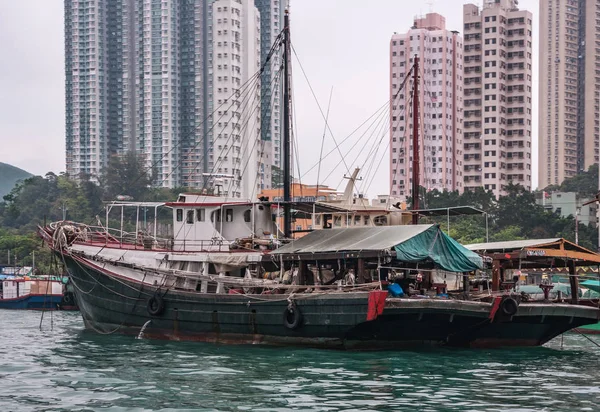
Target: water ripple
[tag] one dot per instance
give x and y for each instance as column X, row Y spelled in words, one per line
column 62, row 367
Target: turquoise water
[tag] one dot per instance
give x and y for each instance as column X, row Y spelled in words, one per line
column 62, row 367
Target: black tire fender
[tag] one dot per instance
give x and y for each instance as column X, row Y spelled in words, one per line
column 292, row 317
column 68, row 299
column 510, row 306
column 156, row 305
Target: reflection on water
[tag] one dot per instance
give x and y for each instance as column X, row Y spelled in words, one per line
column 68, row 368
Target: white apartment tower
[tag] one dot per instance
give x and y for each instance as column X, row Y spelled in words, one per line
column 569, row 93
column 237, row 154
column 134, row 84
column 271, row 24
column 497, row 95
column 440, row 53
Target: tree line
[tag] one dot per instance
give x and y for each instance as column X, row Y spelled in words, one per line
column 516, row 215
column 39, row 200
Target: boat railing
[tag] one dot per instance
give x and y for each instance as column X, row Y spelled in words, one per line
column 141, row 240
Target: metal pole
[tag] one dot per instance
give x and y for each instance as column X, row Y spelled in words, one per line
column 287, row 219
column 137, row 224
column 121, row 223
column 577, row 226
column 448, row 211
column 155, row 220
column 415, row 131
column 487, row 232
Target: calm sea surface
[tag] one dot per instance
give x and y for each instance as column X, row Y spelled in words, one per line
column 62, row 367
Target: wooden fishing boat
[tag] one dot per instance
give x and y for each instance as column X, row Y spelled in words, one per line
column 229, row 274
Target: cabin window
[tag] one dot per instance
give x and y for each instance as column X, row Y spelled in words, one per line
column 318, row 220
column 216, row 213
column 337, row 221
column 247, row 216
column 367, row 220
column 180, row 215
column 190, row 217
column 229, row 215
column 348, row 221
column 357, row 220
column 380, row 221
column 201, row 215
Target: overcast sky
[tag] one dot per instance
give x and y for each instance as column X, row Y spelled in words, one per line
column 342, row 45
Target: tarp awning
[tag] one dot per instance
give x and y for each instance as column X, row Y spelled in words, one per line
column 446, row 252
column 538, row 252
column 412, row 244
column 591, row 284
column 510, row 245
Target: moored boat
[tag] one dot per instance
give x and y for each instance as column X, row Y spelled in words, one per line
column 228, row 274
column 24, row 292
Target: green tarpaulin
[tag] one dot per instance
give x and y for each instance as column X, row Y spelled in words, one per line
column 591, row 284
column 412, row 243
column 433, row 244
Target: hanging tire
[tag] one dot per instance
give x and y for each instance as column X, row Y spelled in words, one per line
column 156, row 305
column 292, row 317
column 510, row 306
column 68, row 299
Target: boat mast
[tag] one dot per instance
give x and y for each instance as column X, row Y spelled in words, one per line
column 415, row 143
column 287, row 221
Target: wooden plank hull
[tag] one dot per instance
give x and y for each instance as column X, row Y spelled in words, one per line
column 114, row 304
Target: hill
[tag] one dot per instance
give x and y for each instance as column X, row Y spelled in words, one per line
column 9, row 176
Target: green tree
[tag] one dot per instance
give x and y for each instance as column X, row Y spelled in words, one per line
column 584, row 183
column 127, row 176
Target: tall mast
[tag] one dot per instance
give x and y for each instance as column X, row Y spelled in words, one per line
column 415, row 143
column 287, row 220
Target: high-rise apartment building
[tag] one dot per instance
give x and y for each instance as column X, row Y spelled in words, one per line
column 497, row 93
column 569, row 91
column 271, row 25
column 440, row 53
column 145, row 76
column 134, row 84
column 238, row 154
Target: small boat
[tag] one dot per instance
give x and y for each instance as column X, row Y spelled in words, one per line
column 25, row 292
column 592, row 289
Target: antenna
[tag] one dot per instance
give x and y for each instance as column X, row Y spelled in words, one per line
column 430, row 4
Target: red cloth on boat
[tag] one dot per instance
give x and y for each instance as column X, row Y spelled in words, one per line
column 495, row 306
column 376, row 303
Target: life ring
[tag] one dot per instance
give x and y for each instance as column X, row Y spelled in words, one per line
column 509, row 306
column 156, row 305
column 292, row 317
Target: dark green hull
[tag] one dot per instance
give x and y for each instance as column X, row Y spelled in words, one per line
column 113, row 304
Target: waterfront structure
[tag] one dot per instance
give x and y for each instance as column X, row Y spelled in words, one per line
column 440, row 53
column 497, row 95
column 569, row 204
column 134, row 84
column 569, row 91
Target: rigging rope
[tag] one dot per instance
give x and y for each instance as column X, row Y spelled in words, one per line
column 323, row 143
